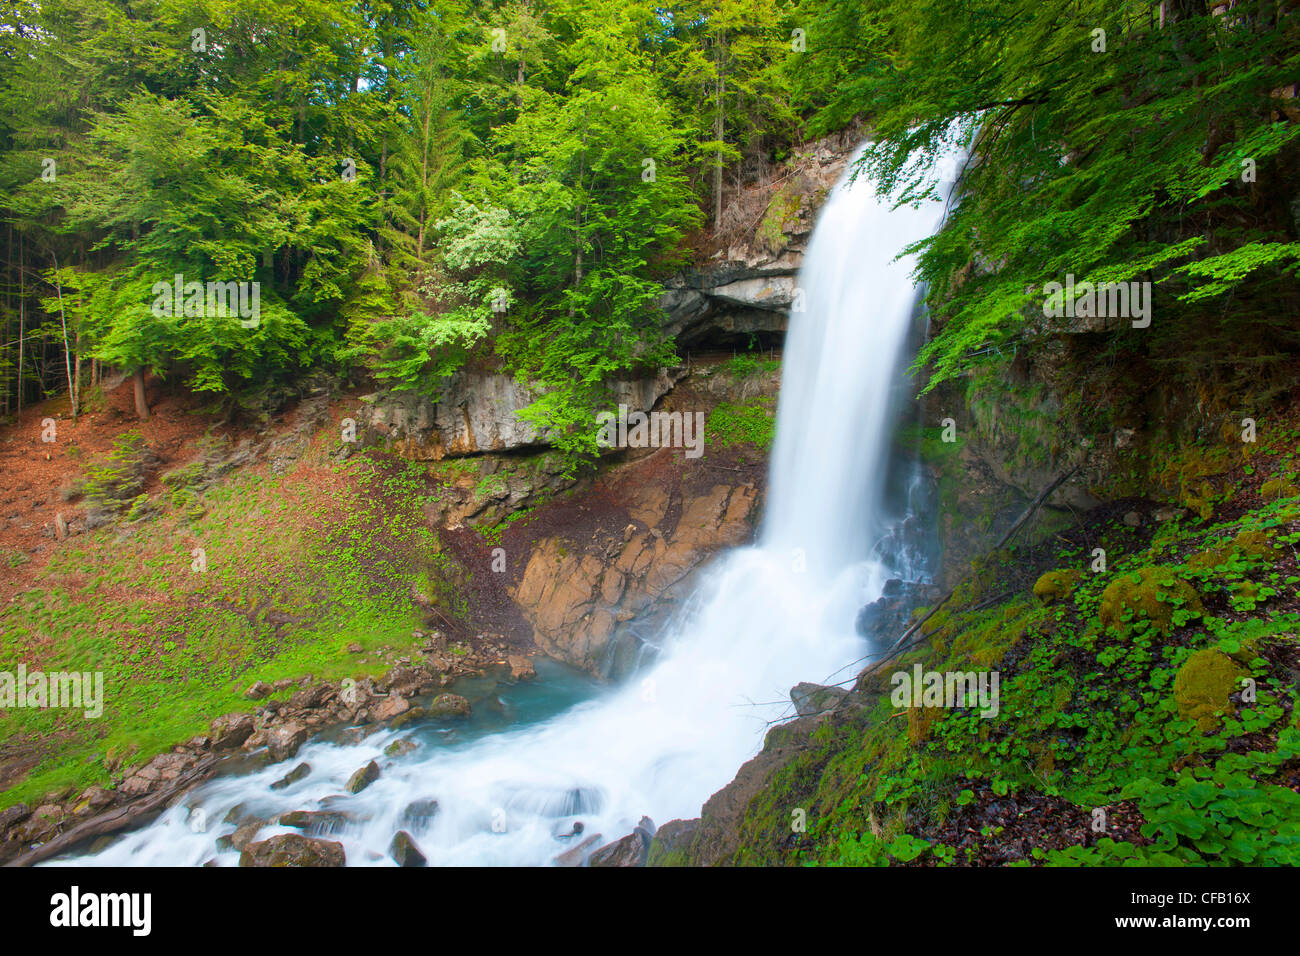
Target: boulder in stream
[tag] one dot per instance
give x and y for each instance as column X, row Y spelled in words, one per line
column 404, row 851
column 420, row 812
column 363, row 778
column 449, row 705
column 315, row 821
column 292, row 777
column 290, row 849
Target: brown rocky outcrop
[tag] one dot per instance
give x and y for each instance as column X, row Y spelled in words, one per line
column 578, row 600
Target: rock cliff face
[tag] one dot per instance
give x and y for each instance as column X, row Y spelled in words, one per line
column 478, row 412
column 748, row 288
column 592, row 603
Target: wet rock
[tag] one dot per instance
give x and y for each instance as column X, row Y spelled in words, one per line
column 390, row 707
column 284, row 741
column 289, row 849
column 402, row 719
column 449, row 705
column 292, row 777
column 405, row 852
column 242, row 837
column 315, row 821
column 420, row 812
column 629, row 851
column 671, row 843
column 576, row 855
column 231, row 730
column 363, row 778
column 887, row 616
column 811, row 699
column 238, row 814
column 521, row 667
column 400, row 748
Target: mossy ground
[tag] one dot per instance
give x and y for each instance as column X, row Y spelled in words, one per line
column 1115, row 743
column 298, row 566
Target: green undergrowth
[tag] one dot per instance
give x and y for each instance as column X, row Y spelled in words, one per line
column 742, row 423
column 1164, row 684
column 273, row 577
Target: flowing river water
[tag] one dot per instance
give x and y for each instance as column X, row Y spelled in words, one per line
column 538, row 757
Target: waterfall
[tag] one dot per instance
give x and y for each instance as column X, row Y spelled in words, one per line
column 766, row 618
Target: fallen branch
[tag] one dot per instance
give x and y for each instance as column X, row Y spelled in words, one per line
column 118, row 818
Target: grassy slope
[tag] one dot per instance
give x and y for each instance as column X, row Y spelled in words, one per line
column 298, row 567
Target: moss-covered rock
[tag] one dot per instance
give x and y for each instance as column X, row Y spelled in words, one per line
column 1277, row 488
column 1056, row 585
column 1203, row 685
column 1248, row 547
column 1152, row 593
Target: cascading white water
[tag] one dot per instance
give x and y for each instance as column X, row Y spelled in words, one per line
column 768, row 617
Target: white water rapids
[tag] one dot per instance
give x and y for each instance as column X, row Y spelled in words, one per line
column 768, row 617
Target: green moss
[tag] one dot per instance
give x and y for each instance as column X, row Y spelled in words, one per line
column 1249, row 547
column 1278, row 488
column 659, row 856
column 1151, row 593
column 1255, row 544
column 1202, row 688
column 1056, row 585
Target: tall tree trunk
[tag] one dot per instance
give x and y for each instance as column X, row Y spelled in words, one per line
column 76, row 373
column 67, row 349
column 426, row 127
column 719, row 126
column 9, row 258
column 22, row 317
column 141, row 405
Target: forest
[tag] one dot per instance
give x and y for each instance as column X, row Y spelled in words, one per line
column 416, row 186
